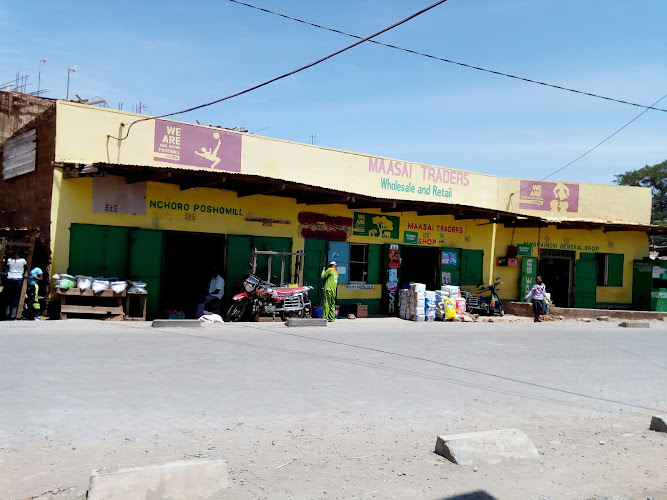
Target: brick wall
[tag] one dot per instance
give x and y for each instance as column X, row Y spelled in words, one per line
column 25, row 201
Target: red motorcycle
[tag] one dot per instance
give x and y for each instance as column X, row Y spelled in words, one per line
column 261, row 297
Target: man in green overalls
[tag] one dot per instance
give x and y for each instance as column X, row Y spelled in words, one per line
column 330, row 277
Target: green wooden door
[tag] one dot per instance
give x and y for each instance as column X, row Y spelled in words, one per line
column 98, row 250
column 237, row 264
column 642, row 283
column 375, row 264
column 314, row 260
column 116, row 252
column 87, row 244
column 472, row 267
column 145, row 264
column 585, row 281
column 275, row 245
column 450, row 266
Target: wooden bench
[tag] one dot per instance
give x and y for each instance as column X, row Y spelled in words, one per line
column 104, row 303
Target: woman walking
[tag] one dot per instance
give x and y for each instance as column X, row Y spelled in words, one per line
column 538, row 294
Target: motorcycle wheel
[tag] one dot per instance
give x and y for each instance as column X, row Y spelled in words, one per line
column 236, row 311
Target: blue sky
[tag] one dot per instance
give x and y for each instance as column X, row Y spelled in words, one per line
column 373, row 99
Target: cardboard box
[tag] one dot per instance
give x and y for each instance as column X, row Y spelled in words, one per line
column 362, row 311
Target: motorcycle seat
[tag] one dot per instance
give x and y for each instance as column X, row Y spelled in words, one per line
column 290, row 291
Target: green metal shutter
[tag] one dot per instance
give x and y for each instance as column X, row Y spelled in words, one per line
column 585, row 281
column 374, row 264
column 615, row 269
column 472, row 265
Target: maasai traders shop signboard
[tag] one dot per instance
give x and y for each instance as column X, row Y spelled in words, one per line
column 377, row 225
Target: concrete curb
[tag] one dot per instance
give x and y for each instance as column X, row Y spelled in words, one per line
column 306, row 322
column 176, row 323
column 526, row 309
column 486, row 446
column 193, row 479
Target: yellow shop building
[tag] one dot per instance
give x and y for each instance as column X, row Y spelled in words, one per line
column 123, row 195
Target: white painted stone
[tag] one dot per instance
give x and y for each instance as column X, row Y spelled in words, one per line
column 486, row 446
column 198, row 479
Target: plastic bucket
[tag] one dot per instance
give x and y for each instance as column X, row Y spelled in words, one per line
column 460, row 305
column 317, row 312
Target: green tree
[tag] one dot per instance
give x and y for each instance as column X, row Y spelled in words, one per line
column 654, row 177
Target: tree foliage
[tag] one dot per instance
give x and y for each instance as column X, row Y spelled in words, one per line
column 655, row 178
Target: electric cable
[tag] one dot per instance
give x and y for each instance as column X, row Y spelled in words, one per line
column 285, row 75
column 590, row 150
column 478, row 68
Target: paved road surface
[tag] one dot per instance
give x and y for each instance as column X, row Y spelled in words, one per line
column 78, row 395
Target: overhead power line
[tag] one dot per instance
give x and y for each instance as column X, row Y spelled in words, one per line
column 593, row 148
column 285, row 75
column 430, row 56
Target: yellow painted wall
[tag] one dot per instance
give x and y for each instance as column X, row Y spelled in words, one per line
column 632, row 244
column 72, row 203
column 83, row 136
column 596, row 203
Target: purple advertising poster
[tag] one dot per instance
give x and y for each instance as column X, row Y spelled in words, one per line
column 549, row 196
column 197, row 146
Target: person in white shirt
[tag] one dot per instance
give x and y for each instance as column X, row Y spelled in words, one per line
column 15, row 270
column 538, row 294
column 216, row 289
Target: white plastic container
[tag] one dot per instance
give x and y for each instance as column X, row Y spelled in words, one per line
column 138, row 287
column 100, row 285
column 118, row 286
column 84, row 282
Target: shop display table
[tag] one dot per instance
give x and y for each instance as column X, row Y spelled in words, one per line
column 105, row 303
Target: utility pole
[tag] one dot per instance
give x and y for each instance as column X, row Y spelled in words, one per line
column 69, row 70
column 39, row 75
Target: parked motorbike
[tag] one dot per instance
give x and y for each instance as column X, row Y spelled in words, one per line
column 485, row 299
column 262, row 297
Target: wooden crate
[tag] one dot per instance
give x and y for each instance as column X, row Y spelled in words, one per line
column 362, row 311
